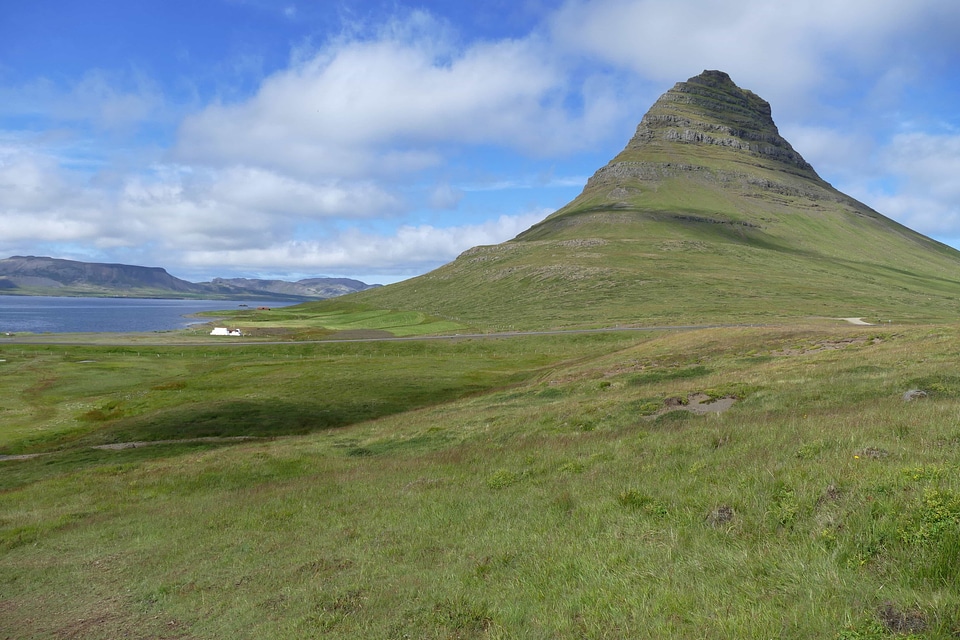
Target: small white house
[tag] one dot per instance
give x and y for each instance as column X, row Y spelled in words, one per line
column 223, row 331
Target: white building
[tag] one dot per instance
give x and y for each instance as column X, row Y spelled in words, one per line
column 223, row 331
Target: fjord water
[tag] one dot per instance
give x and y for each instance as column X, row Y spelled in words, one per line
column 41, row 314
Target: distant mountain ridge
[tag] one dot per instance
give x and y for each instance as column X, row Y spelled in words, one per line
column 320, row 288
column 32, row 275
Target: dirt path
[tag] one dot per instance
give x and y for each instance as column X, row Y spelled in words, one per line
column 120, row 446
column 858, row 321
column 23, row 456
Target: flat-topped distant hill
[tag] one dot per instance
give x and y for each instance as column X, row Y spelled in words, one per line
column 31, row 275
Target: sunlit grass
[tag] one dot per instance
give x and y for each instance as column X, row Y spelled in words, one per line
column 545, row 504
column 336, row 316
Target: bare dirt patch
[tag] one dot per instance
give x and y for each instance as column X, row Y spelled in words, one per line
column 22, row 456
column 898, row 621
column 827, row 345
column 720, row 516
column 82, row 627
column 872, row 452
column 581, row 243
column 119, row 446
column 830, row 494
column 701, row 403
column 698, row 403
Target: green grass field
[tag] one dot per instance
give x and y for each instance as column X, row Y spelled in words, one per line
column 333, row 319
column 514, row 488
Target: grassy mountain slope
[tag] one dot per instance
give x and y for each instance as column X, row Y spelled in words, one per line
column 707, row 215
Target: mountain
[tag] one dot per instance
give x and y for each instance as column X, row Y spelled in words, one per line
column 23, row 272
column 708, row 215
column 316, row 288
column 52, row 276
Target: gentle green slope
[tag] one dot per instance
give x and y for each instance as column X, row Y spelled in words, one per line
column 84, row 396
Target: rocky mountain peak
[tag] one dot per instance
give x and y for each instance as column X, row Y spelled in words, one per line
column 711, row 110
column 721, row 97
column 705, row 146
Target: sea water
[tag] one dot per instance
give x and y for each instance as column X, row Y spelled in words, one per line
column 41, row 314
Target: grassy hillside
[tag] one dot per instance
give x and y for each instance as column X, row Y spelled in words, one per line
column 533, row 487
column 651, row 268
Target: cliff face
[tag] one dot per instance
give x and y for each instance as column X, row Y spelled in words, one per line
column 710, row 109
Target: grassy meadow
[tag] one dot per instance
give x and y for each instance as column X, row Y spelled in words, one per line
column 530, row 487
column 333, row 319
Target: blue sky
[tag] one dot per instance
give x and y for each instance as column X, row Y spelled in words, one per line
column 378, row 140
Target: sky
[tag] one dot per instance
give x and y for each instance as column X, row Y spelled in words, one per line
column 379, row 139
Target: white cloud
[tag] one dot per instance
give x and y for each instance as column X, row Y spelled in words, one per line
column 107, row 100
column 27, row 182
column 409, row 250
column 235, row 218
column 55, row 227
column 926, row 193
column 39, row 202
column 930, row 163
column 274, row 193
column 834, row 153
column 382, row 105
column 782, row 50
column 170, row 206
column 98, row 94
column 445, row 196
column 238, row 207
